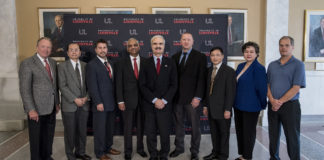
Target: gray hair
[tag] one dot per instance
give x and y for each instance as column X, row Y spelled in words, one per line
column 157, row 36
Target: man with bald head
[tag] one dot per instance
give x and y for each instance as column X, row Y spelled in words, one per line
column 158, row 84
column 129, row 97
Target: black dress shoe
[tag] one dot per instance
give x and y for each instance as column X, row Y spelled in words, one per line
column 128, row 157
column 83, row 157
column 211, row 156
column 194, row 157
column 175, row 153
column 142, row 153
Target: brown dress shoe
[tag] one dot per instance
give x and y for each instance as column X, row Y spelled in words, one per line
column 105, row 157
column 113, row 152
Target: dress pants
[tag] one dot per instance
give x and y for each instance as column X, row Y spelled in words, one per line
column 194, row 118
column 220, row 134
column 41, row 135
column 288, row 116
column 75, row 132
column 245, row 126
column 130, row 118
column 103, row 128
column 158, row 122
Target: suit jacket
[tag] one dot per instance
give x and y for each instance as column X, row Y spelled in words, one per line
column 316, row 43
column 161, row 86
column 70, row 86
column 127, row 87
column 191, row 80
column 100, row 85
column 251, row 90
column 223, row 95
column 37, row 90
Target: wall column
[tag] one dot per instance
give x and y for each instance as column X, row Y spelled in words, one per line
column 277, row 16
column 11, row 110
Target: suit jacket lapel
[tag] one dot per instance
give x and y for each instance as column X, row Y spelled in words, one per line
column 40, row 65
column 72, row 72
column 129, row 66
column 219, row 72
column 83, row 72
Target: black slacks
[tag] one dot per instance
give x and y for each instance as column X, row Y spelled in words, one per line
column 220, row 133
column 41, row 135
column 288, row 116
column 158, row 122
column 103, row 128
column 75, row 132
column 245, row 125
column 194, row 118
column 130, row 118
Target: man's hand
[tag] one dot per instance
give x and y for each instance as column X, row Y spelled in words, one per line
column 159, row 104
column 79, row 102
column 195, row 102
column 121, row 106
column 100, row 107
column 227, row 114
column 205, row 111
column 57, row 108
column 276, row 104
column 33, row 115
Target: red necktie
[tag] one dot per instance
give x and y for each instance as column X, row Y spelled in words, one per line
column 48, row 69
column 158, row 66
column 135, row 68
column 108, row 69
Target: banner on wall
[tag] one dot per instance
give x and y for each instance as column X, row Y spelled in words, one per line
column 208, row 30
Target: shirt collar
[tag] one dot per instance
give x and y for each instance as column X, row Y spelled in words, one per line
column 188, row 52
column 218, row 65
column 102, row 60
column 137, row 57
column 292, row 58
column 41, row 58
column 74, row 63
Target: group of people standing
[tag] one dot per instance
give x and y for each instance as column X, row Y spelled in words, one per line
column 152, row 92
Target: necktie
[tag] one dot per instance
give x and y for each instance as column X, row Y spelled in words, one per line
column 48, row 69
column 212, row 78
column 182, row 63
column 158, row 66
column 77, row 72
column 108, row 69
column 135, row 68
column 229, row 35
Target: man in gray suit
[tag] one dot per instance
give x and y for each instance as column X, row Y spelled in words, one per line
column 38, row 90
column 75, row 104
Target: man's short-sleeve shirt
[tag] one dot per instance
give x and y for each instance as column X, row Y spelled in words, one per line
column 283, row 77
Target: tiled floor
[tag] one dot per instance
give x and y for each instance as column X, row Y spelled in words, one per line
column 15, row 146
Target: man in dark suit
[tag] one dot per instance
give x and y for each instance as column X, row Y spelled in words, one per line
column 128, row 97
column 100, row 81
column 58, row 37
column 158, row 84
column 75, row 104
column 220, row 95
column 317, row 41
column 191, row 66
column 38, row 90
